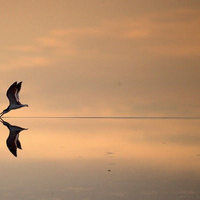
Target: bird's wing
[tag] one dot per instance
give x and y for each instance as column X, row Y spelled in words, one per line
column 18, row 88
column 19, row 144
column 13, row 150
column 11, row 144
column 11, row 93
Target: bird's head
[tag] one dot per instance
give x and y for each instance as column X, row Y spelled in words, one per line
column 4, row 122
column 25, row 105
column 4, row 111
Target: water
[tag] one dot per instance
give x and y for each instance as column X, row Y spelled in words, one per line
column 96, row 159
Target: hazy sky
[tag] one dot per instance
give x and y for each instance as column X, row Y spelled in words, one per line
column 101, row 57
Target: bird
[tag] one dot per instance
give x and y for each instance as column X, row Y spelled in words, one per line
column 13, row 97
column 12, row 141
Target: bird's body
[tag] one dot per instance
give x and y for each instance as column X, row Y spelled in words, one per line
column 13, row 97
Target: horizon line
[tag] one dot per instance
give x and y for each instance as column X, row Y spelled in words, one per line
column 104, row 117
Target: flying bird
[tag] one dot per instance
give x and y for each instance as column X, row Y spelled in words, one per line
column 12, row 141
column 13, row 97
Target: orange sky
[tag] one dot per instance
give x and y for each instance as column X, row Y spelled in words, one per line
column 102, row 58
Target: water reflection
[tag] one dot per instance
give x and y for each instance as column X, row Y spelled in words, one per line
column 102, row 159
column 12, row 141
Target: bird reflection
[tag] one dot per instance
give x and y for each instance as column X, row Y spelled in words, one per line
column 12, row 141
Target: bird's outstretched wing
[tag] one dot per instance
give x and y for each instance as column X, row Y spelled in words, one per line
column 13, row 150
column 13, row 93
column 19, row 146
column 19, row 85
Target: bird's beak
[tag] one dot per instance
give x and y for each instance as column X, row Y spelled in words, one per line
column 1, row 114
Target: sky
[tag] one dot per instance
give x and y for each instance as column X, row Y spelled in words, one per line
column 101, row 57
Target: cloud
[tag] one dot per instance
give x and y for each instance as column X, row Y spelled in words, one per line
column 24, row 49
column 123, row 28
column 49, row 42
column 171, row 33
column 174, row 33
column 25, row 61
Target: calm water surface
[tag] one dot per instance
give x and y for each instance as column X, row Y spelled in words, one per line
column 98, row 159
